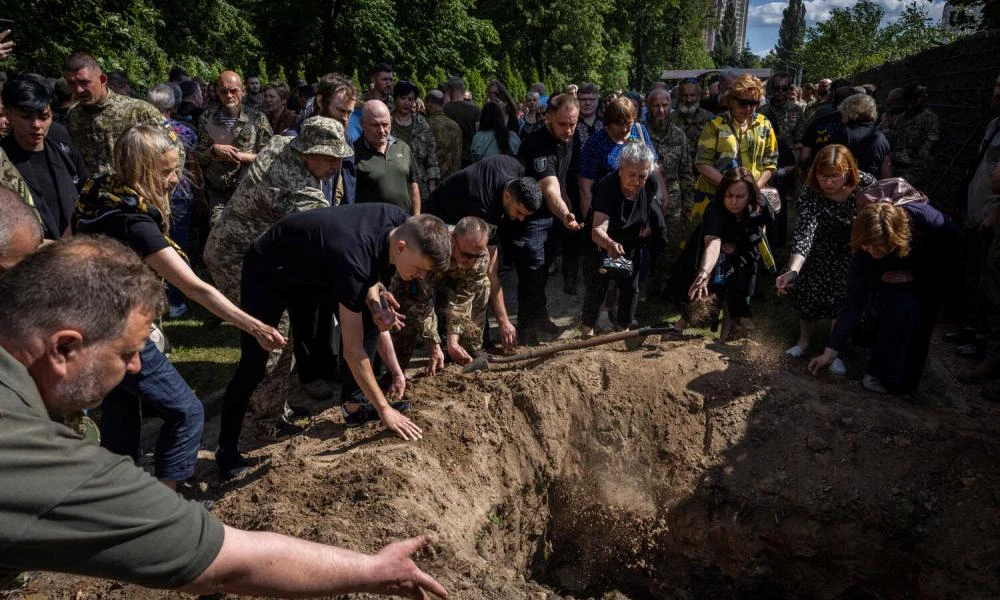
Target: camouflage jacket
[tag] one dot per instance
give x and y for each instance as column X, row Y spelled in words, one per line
column 913, row 137
column 671, row 145
column 11, row 179
column 95, row 129
column 786, row 121
column 254, row 101
column 691, row 125
column 277, row 184
column 421, row 140
column 447, row 141
column 251, row 134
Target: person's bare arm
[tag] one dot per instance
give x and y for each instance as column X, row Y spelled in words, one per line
column 699, row 287
column 557, row 206
column 599, row 235
column 415, row 195
column 270, row 564
column 170, row 266
column 508, row 333
column 710, row 173
column 353, row 351
column 586, row 187
column 765, row 176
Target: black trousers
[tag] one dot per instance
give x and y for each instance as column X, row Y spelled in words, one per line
column 597, row 289
column 526, row 244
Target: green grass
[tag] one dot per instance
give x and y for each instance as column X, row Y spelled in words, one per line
column 205, row 355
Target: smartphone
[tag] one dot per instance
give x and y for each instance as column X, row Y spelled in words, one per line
column 6, row 24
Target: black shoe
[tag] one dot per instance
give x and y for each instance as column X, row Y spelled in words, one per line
column 366, row 412
column 528, row 336
column 545, row 325
column 231, row 463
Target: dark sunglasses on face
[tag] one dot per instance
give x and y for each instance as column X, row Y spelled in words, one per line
column 229, row 91
column 746, row 103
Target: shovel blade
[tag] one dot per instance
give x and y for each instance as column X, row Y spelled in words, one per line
column 480, row 363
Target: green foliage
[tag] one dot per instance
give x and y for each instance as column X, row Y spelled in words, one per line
column 725, row 53
column 853, row 40
column 975, row 14
column 791, row 36
column 747, row 59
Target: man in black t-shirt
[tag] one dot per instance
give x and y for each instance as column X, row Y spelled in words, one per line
column 490, row 189
column 338, row 256
column 546, row 155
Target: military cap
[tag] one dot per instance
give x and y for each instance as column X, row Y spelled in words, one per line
column 322, row 135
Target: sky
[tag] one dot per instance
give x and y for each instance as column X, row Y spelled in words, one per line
column 765, row 17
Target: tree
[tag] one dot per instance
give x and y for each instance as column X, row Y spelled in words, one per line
column 852, row 40
column 976, row 14
column 725, row 52
column 791, row 35
column 747, row 59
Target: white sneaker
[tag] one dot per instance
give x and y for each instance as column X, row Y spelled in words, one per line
column 872, row 384
column 795, row 351
column 837, row 367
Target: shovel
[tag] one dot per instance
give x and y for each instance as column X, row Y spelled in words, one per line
column 634, row 339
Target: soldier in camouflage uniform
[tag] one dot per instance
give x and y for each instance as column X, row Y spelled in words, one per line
column 447, row 134
column 100, row 115
column 229, row 137
column 254, row 97
column 459, row 296
column 286, row 178
column 914, row 133
column 11, row 179
column 786, row 118
column 417, row 133
column 675, row 163
column 690, row 116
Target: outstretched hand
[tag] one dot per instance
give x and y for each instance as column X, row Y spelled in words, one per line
column 399, row 423
column 402, row 577
column 570, row 222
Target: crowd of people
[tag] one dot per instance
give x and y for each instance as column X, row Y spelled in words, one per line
column 381, row 219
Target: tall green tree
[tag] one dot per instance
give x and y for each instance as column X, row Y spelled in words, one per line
column 725, row 52
column 791, row 35
column 976, row 14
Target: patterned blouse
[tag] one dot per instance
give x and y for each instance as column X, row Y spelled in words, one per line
column 721, row 147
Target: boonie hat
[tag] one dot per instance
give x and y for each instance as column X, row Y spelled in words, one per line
column 322, row 135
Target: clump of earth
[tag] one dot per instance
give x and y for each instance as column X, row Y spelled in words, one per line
column 687, row 469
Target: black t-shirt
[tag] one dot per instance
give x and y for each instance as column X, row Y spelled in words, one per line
column 53, row 175
column 545, row 156
column 822, row 131
column 626, row 217
column 743, row 233
column 333, row 254
column 140, row 231
column 868, row 145
column 475, row 191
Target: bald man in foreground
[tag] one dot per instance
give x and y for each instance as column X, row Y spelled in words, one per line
column 229, row 137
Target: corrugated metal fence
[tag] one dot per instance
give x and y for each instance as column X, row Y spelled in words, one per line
column 959, row 78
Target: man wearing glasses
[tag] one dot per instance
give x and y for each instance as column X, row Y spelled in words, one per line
column 229, row 137
column 786, row 119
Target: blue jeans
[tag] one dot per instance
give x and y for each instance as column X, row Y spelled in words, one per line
column 159, row 390
column 180, row 228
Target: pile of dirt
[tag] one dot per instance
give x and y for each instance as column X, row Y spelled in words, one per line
column 688, row 469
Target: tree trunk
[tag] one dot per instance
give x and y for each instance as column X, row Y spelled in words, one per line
column 329, row 21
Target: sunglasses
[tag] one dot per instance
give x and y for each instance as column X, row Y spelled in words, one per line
column 746, row 103
column 468, row 255
column 229, row 91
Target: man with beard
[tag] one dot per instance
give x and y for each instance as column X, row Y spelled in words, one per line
column 254, row 97
column 786, row 118
column 76, row 313
column 229, row 137
column 689, row 115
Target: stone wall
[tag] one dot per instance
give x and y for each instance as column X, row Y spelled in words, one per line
column 959, row 78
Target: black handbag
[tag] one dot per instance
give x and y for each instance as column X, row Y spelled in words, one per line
column 616, row 268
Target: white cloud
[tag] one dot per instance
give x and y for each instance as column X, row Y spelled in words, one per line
column 770, row 13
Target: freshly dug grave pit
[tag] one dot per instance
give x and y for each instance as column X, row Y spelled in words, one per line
column 688, row 469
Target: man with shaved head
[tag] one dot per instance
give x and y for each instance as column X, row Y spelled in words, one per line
column 100, row 115
column 229, row 137
column 386, row 171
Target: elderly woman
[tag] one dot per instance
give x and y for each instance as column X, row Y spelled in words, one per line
column 189, row 186
column 411, row 127
column 738, row 137
column 133, row 206
column 903, row 259
column 722, row 255
column 869, row 146
column 601, row 152
column 279, row 117
column 493, row 137
column 627, row 216
column 816, row 277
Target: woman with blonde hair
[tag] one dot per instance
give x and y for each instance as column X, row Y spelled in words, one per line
column 816, row 275
column 738, row 137
column 904, row 258
column 133, row 206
